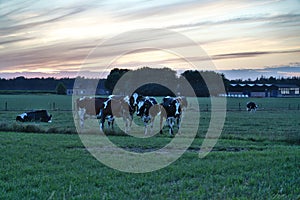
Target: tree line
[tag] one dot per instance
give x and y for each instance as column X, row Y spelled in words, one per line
column 165, row 82
column 146, row 81
column 49, row 85
column 270, row 80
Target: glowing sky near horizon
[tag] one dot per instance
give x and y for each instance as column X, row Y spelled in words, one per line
column 55, row 37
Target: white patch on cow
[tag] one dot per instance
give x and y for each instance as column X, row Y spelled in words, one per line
column 99, row 114
column 23, row 115
column 135, row 96
column 82, row 98
column 140, row 104
column 110, row 118
column 106, row 102
column 126, row 99
column 177, row 104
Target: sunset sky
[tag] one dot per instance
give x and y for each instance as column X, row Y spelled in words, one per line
column 244, row 38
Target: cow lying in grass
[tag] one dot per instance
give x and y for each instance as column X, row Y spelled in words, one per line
column 34, row 116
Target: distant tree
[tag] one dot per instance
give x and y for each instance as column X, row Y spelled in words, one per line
column 114, row 77
column 197, row 82
column 206, row 83
column 272, row 79
column 61, row 88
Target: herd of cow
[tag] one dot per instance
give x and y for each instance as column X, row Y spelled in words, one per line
column 115, row 106
column 147, row 108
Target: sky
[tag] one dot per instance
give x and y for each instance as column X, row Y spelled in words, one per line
column 240, row 38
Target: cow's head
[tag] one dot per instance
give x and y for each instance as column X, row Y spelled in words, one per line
column 127, row 106
column 183, row 101
column 134, row 99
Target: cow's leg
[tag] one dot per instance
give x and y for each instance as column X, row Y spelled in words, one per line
column 81, row 113
column 160, row 124
column 102, row 120
column 110, row 122
column 178, row 125
column 145, row 128
column 130, row 122
column 151, row 125
column 126, row 122
column 170, row 122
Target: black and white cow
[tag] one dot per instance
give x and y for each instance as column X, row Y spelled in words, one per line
column 34, row 116
column 251, row 106
column 120, row 107
column 171, row 111
column 89, row 107
column 134, row 100
column 148, row 109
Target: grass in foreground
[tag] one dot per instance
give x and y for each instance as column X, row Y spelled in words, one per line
column 55, row 166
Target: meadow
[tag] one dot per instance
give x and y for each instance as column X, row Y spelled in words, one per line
column 256, row 157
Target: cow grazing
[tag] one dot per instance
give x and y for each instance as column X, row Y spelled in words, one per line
column 171, row 111
column 251, row 106
column 148, row 109
column 89, row 107
column 34, row 116
column 117, row 106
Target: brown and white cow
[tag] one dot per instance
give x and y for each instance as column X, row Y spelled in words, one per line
column 89, row 107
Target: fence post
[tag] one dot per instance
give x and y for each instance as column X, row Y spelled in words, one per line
column 239, row 106
column 6, row 106
column 207, row 107
column 53, row 105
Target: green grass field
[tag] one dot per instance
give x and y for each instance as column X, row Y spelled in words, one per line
column 256, row 157
column 56, row 166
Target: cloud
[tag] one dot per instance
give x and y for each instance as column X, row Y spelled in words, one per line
column 251, row 54
column 60, row 74
column 13, row 26
column 291, row 19
column 35, row 35
column 290, row 70
column 15, row 40
column 155, row 8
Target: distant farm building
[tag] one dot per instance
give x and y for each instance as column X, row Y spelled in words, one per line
column 263, row 90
